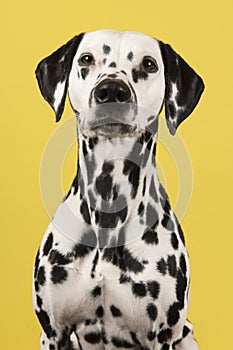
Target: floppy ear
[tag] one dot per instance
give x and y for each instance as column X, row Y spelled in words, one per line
column 52, row 74
column 183, row 87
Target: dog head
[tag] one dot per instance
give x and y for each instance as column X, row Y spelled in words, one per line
column 111, row 76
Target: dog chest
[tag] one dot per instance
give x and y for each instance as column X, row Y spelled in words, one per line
column 108, row 291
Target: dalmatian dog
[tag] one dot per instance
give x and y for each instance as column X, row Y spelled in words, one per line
column 112, row 271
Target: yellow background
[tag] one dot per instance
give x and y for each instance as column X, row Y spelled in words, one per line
column 201, row 32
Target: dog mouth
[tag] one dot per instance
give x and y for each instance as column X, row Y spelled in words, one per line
column 109, row 120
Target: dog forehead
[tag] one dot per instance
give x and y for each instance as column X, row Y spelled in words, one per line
column 107, row 41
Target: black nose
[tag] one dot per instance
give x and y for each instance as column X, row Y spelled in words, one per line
column 110, row 90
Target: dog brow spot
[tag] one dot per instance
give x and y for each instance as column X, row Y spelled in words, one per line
column 104, row 60
column 112, row 65
column 106, row 49
column 130, row 56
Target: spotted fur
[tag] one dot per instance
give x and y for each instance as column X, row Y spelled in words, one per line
column 112, row 270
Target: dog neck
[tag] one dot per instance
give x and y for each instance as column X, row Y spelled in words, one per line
column 114, row 175
column 116, row 190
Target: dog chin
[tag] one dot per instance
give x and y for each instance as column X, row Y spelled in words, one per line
column 113, row 130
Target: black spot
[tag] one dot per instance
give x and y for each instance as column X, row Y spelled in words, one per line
column 84, row 149
column 115, row 311
column 173, row 314
column 92, row 337
column 64, row 341
column 139, row 289
column 154, row 149
column 183, row 265
column 174, row 241
column 121, row 256
column 152, row 311
column 121, row 237
column 135, row 338
column 149, row 144
column 164, row 335
column 151, row 335
column 48, row 244
column 172, row 108
column 153, row 288
column 104, row 186
column 67, row 195
column 93, row 142
column 115, row 193
column 131, row 263
column 141, row 208
column 139, row 74
column 162, row 266
column 103, row 336
column 94, row 263
column 51, row 347
column 185, row 332
column 112, row 65
column 152, row 218
column 165, row 347
column 89, row 238
column 106, row 49
column 144, row 186
column 41, row 276
column 111, row 255
column 45, row 323
column 124, row 279
column 150, row 237
column 181, row 285
column 112, row 219
column 107, row 220
column 85, row 212
column 37, row 262
column 171, row 263
column 122, row 343
column 122, row 71
column 167, row 222
column 181, row 234
column 130, row 56
column 84, row 72
column 97, row 217
column 134, row 75
column 104, row 60
column 167, row 207
column 133, row 171
column 90, row 321
column 152, row 190
column 163, row 195
column 58, row 274
column 81, row 250
column 96, row 291
column 39, row 301
column 75, row 185
column 107, row 167
column 99, row 311
column 36, row 285
column 55, row 257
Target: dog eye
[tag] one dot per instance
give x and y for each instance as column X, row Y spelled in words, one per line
column 86, row 59
column 150, row 65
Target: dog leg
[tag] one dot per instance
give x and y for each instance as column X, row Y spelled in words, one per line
column 188, row 343
column 59, row 342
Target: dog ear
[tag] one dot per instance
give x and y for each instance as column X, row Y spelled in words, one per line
column 183, row 87
column 52, row 75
